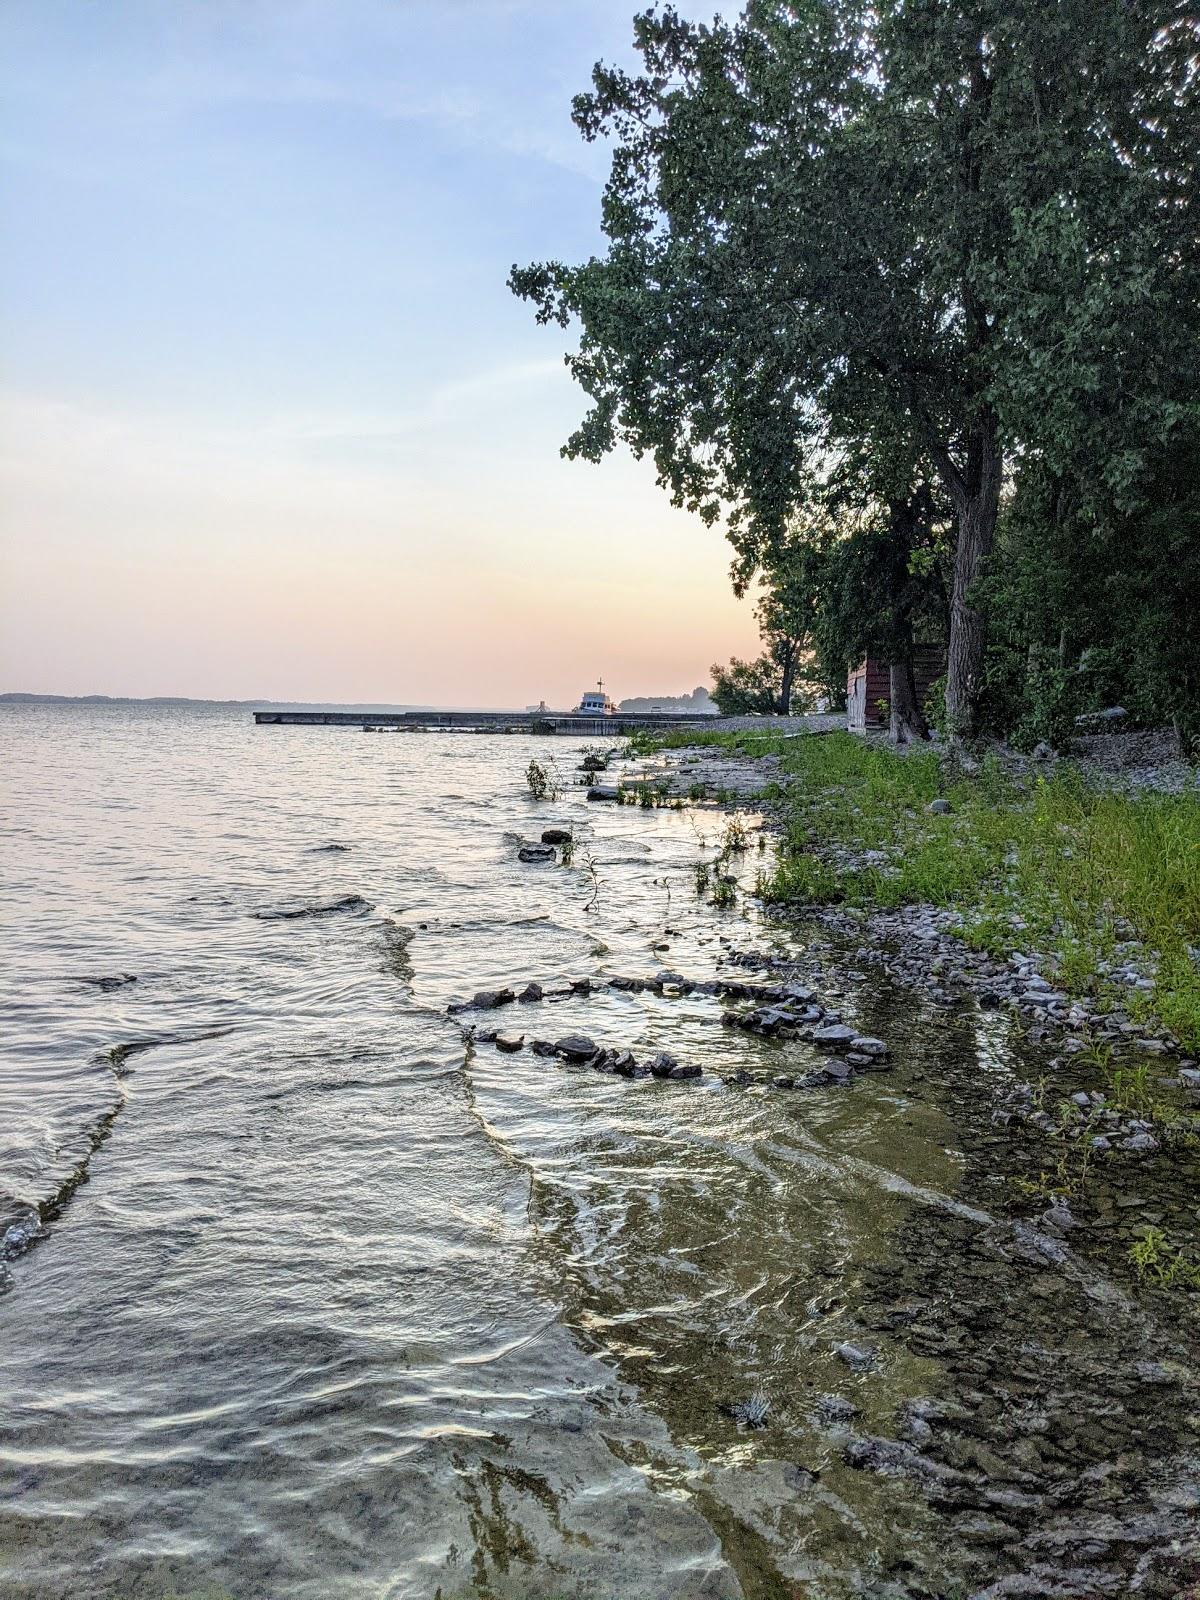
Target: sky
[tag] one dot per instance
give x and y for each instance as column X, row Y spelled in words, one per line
column 272, row 425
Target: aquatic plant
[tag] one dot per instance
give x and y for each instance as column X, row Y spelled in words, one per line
column 543, row 780
column 567, row 852
column 752, row 1412
column 701, row 873
column 724, row 891
column 1160, row 1262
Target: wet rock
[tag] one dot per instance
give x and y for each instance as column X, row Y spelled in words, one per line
column 510, row 1043
column 490, row 999
column 836, row 1071
column 867, row 1046
column 536, row 853
column 783, row 1081
column 575, row 1047
column 603, row 791
column 543, row 1047
column 580, row 985
column 834, row 1036
column 624, row 1064
column 348, row 903
column 556, row 836
column 686, row 1069
column 856, row 1356
column 834, row 1408
column 662, row 1065
column 530, row 993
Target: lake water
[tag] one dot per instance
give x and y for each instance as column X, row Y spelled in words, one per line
column 306, row 1297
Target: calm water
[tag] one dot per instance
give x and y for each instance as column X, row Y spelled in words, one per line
column 329, row 1305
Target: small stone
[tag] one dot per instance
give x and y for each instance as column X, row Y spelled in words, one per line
column 836, row 1071
column 510, row 1043
column 1140, row 1144
column 869, row 1047
column 531, row 992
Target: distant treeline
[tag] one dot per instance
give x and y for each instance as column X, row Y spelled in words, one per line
column 698, row 701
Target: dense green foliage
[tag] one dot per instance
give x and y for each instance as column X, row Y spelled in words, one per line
column 929, row 272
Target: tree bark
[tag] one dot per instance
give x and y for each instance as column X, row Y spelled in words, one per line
column 789, row 673
column 906, row 719
column 976, row 494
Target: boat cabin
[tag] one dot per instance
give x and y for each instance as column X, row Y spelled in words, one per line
column 595, row 703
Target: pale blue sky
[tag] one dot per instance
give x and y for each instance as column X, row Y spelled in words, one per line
column 273, row 423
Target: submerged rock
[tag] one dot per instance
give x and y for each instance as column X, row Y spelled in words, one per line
column 348, row 902
column 856, row 1356
column 603, row 791
column 490, row 999
column 536, row 852
column 510, row 1043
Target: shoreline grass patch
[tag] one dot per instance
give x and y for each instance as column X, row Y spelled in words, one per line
column 1050, row 866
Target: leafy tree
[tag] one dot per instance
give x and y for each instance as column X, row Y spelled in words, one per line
column 835, row 223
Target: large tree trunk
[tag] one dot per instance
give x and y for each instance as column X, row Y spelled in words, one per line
column 789, row 673
column 906, row 719
column 976, row 494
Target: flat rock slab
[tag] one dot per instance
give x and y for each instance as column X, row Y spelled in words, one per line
column 834, row 1036
column 510, row 1043
column 536, row 852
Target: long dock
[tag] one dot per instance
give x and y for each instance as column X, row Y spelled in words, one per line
column 545, row 722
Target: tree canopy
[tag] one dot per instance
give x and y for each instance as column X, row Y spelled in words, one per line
column 915, row 246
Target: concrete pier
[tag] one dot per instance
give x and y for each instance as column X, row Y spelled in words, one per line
column 545, row 722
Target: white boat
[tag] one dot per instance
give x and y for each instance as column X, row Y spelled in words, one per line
column 595, row 703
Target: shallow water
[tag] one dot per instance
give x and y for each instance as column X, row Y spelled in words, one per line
column 309, row 1297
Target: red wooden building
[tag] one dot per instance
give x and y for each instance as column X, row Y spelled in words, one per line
column 869, row 693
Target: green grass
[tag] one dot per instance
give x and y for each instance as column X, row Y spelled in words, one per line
column 1053, row 866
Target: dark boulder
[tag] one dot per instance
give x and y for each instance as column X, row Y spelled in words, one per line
column 536, row 853
column 556, row 836
column 530, row 993
column 510, row 1043
column 662, row 1064
column 489, row 999
column 575, row 1047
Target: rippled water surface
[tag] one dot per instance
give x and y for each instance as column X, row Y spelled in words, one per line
column 307, row 1297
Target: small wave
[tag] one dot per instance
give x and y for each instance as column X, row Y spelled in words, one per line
column 348, row 903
